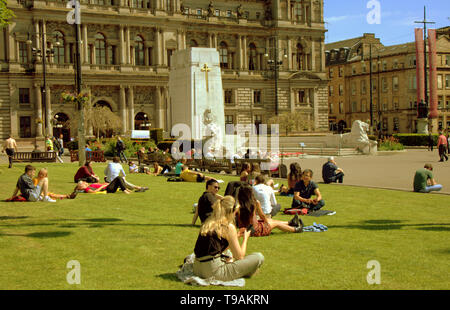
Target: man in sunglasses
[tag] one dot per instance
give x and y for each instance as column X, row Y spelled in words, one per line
column 205, row 202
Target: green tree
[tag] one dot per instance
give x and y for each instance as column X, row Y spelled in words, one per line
column 292, row 122
column 5, row 13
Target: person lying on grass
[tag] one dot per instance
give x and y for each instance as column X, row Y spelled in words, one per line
column 158, row 170
column 115, row 169
column 250, row 207
column 110, row 188
column 133, row 168
column 304, row 190
column 30, row 191
column 217, row 234
column 43, row 173
column 193, row 176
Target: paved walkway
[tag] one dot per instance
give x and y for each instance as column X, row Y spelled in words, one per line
column 386, row 170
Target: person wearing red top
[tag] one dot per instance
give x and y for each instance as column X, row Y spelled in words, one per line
column 442, row 146
column 85, row 173
column 100, row 187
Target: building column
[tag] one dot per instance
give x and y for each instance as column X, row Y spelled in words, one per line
column 130, row 100
column 11, row 44
column 123, row 110
column 38, row 110
column 48, row 112
column 121, row 46
column 163, row 53
column 85, row 53
column 239, row 48
column 313, row 56
column 15, row 121
column 289, row 53
column 127, row 45
column 157, row 49
column 158, row 108
column 146, row 58
column 245, row 58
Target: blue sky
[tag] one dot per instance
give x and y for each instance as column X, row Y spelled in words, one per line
column 348, row 19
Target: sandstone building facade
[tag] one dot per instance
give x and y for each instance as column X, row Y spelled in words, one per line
column 394, row 90
column 125, row 60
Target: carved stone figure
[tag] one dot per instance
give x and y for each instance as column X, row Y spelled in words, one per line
column 210, row 9
column 358, row 138
column 240, row 11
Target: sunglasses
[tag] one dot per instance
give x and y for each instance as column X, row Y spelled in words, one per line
column 217, row 187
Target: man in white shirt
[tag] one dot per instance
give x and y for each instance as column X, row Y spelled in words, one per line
column 266, row 196
column 115, row 169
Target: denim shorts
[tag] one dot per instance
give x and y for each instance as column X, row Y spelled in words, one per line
column 35, row 193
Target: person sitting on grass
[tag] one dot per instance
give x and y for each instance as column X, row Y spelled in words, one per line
column 295, row 172
column 86, row 173
column 217, row 234
column 179, row 166
column 424, row 181
column 304, row 190
column 43, row 173
column 250, row 207
column 206, row 200
column 115, row 169
column 245, row 171
column 28, row 190
column 193, row 176
column 266, row 196
column 110, row 188
column 331, row 173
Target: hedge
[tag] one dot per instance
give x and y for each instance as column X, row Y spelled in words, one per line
column 411, row 139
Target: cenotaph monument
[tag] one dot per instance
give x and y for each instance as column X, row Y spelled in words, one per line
column 196, row 93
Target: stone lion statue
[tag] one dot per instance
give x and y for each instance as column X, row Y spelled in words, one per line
column 358, row 138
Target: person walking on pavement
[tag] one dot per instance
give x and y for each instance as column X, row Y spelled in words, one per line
column 120, row 148
column 442, row 146
column 430, row 142
column 10, row 147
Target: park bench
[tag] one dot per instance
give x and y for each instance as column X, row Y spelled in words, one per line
column 217, row 165
column 149, row 159
column 43, row 157
column 95, row 156
column 196, row 164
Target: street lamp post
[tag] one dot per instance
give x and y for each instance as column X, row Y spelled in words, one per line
column 43, row 52
column 275, row 64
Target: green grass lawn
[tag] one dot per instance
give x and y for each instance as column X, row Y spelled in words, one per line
column 138, row 241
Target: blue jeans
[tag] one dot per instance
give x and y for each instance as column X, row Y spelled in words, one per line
column 122, row 156
column 433, row 188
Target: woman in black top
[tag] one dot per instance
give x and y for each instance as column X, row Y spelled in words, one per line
column 217, row 234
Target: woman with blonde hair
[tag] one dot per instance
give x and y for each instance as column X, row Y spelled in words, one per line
column 217, row 234
column 43, row 173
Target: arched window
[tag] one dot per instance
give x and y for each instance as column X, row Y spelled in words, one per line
column 300, row 57
column 141, row 121
column 58, row 47
column 193, row 43
column 139, row 51
column 223, row 54
column 252, row 57
column 100, row 49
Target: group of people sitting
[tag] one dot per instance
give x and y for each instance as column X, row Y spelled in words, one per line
column 224, row 220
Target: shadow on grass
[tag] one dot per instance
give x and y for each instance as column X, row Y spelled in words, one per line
column 393, row 225
column 169, row 276
column 40, row 235
column 4, row 218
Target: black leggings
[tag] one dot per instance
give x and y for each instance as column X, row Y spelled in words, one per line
column 115, row 184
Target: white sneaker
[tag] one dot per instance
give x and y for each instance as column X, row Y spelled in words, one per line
column 48, row 199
